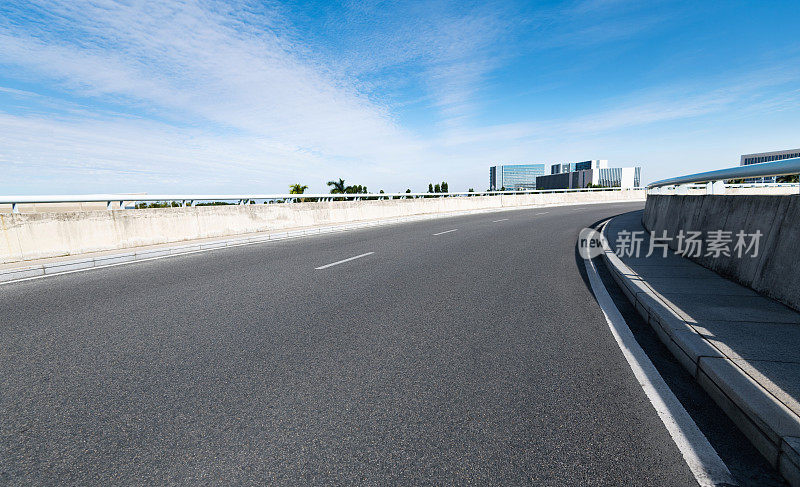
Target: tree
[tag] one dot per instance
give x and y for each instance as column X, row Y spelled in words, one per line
column 300, row 189
column 437, row 188
column 787, row 179
column 430, row 187
column 297, row 188
column 355, row 189
column 471, row 190
column 337, row 187
column 444, row 187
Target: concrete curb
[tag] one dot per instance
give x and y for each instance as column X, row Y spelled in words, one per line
column 33, row 237
column 39, row 270
column 13, row 274
column 772, row 427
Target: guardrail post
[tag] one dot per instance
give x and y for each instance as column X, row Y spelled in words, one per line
column 14, row 208
column 715, row 187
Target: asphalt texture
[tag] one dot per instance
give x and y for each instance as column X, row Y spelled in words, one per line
column 478, row 356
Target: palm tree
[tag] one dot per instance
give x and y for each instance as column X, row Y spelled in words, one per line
column 297, row 188
column 338, row 187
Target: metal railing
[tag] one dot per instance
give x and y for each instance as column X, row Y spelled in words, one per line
column 785, row 167
column 117, row 201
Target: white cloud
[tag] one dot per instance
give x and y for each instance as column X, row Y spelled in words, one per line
column 227, row 72
column 201, row 96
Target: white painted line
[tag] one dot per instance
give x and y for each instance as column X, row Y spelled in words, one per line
column 500, row 220
column 343, row 261
column 707, row 467
column 543, row 213
column 448, row 231
column 341, row 228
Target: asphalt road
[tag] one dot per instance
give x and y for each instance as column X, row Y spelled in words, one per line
column 477, row 356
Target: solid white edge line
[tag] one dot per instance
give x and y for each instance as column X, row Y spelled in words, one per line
column 500, row 220
column 448, row 231
column 704, row 462
column 343, row 261
column 543, row 213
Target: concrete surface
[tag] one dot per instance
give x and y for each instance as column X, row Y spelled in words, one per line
column 11, row 271
column 740, row 346
column 42, row 235
column 64, row 207
column 14, row 270
column 771, row 273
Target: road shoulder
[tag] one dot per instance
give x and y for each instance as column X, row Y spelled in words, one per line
column 747, row 370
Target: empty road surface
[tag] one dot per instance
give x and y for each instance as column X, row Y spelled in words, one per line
column 451, row 351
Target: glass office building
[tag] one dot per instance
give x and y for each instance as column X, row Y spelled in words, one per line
column 616, row 177
column 578, row 166
column 515, row 176
column 759, row 157
column 562, row 168
column 608, row 177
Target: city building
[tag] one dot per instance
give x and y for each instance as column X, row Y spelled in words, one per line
column 514, row 176
column 758, row 157
column 578, row 166
column 567, row 175
column 609, row 177
column 562, row 167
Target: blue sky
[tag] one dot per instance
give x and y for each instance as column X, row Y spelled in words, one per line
column 184, row 96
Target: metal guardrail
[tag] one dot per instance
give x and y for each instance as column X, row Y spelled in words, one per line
column 785, row 167
column 116, row 201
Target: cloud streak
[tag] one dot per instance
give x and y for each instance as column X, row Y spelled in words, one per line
column 205, row 67
column 205, row 95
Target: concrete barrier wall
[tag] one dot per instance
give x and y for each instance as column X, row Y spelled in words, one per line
column 40, row 235
column 774, row 272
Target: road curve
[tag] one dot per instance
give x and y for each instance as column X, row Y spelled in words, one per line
column 459, row 350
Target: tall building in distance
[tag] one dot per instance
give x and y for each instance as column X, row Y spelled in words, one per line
column 564, row 175
column 758, row 157
column 606, row 177
column 514, row 177
column 578, row 166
